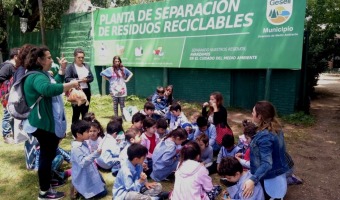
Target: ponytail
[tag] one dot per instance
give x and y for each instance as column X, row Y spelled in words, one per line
column 189, row 151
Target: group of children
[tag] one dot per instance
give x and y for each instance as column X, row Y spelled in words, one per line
column 161, row 146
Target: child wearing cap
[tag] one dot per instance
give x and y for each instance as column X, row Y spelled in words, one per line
column 189, row 130
column 232, row 171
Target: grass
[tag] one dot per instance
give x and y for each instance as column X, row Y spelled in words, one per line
column 19, row 183
column 299, row 118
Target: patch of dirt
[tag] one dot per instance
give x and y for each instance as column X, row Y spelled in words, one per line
column 315, row 150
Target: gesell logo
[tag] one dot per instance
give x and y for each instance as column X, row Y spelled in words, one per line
column 279, row 11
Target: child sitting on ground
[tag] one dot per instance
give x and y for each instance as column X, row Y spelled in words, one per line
column 162, row 127
column 160, row 101
column 89, row 116
column 228, row 148
column 137, row 121
column 85, row 176
column 131, row 136
column 207, row 153
column 209, row 130
column 165, row 157
column 110, row 148
column 192, row 180
column 177, row 118
column 193, row 119
column 249, row 132
column 131, row 179
column 96, row 135
column 59, row 176
column 188, row 128
column 232, row 171
column 149, row 111
column 149, row 139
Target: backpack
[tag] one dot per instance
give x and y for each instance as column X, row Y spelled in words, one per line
column 4, row 63
column 17, row 105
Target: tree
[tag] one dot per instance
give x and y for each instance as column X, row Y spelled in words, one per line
column 322, row 24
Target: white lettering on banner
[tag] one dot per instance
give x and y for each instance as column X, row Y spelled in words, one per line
column 145, row 15
column 211, row 15
column 278, row 29
column 279, row 2
column 117, row 18
column 200, row 9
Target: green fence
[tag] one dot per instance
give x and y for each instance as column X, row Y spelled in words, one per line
column 240, row 88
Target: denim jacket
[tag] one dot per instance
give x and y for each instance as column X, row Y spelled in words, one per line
column 267, row 155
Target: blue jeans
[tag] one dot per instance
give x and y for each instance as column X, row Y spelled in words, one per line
column 7, row 121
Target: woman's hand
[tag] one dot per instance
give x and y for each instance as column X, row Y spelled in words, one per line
column 248, row 188
column 214, row 105
column 62, row 62
column 205, row 104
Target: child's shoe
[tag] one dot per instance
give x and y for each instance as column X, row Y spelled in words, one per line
column 51, row 194
column 294, row 180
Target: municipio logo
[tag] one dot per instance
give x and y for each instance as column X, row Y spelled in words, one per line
column 279, row 11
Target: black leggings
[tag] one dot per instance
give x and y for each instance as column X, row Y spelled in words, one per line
column 82, row 109
column 48, row 146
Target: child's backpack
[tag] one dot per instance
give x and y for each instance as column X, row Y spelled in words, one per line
column 17, row 105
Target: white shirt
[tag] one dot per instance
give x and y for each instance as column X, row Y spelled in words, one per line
column 82, row 72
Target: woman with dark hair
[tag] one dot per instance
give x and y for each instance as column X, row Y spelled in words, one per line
column 46, row 121
column 79, row 70
column 169, row 91
column 118, row 76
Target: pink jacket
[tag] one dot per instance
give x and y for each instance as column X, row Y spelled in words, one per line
column 192, row 181
column 146, row 142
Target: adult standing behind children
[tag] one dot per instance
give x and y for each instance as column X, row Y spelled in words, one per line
column 41, row 122
column 79, row 70
column 118, row 76
column 267, row 154
column 6, row 73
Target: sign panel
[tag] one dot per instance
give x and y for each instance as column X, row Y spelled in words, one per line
column 221, row 34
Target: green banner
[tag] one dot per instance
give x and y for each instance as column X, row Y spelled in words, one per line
column 221, row 34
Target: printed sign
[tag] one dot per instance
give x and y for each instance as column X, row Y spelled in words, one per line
column 221, row 34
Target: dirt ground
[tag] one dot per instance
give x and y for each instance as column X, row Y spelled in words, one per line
column 315, row 150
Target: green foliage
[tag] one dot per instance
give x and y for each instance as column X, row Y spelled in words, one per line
column 53, row 11
column 299, row 118
column 323, row 22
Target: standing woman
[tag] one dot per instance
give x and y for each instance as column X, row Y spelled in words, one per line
column 268, row 163
column 118, row 76
column 46, row 121
column 78, row 70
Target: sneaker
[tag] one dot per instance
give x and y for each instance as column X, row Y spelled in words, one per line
column 55, row 183
column 51, row 194
column 9, row 139
column 294, row 180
